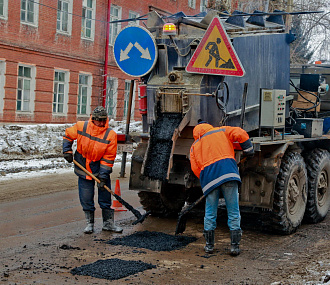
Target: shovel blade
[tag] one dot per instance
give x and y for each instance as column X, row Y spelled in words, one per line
column 181, row 224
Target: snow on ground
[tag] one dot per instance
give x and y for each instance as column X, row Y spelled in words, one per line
column 33, row 150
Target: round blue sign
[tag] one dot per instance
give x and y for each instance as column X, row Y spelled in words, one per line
column 135, row 51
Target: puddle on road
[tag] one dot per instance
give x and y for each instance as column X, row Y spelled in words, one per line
column 155, row 241
column 112, row 269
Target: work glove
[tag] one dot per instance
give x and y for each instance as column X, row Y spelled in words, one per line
column 248, row 154
column 102, row 183
column 68, row 156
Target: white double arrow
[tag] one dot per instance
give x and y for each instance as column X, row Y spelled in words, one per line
column 144, row 52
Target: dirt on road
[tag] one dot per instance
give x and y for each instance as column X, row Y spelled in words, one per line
column 41, row 241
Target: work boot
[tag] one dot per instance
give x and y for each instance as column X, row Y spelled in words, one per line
column 235, row 238
column 209, row 237
column 90, row 222
column 108, row 221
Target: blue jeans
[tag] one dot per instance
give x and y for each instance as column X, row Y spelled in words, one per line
column 230, row 192
column 86, row 195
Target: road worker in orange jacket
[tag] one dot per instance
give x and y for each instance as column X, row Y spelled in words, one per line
column 96, row 151
column 212, row 159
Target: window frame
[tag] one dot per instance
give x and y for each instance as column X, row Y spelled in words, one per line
column 89, row 94
column 2, row 83
column 4, row 15
column 92, row 19
column 118, row 27
column 114, row 99
column 32, row 88
column 35, row 13
column 136, row 14
column 192, row 4
column 203, row 6
column 65, row 93
column 69, row 23
column 126, row 98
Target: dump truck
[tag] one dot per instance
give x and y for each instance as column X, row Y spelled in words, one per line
column 288, row 179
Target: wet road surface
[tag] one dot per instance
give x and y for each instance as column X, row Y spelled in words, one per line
column 41, row 241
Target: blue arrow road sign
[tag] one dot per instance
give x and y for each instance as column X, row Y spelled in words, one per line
column 135, row 51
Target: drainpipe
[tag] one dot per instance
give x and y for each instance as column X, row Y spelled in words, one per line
column 106, row 55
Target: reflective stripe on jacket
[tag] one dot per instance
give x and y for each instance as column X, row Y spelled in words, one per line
column 212, row 155
column 96, row 147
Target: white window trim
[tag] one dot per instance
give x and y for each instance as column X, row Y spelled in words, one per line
column 69, row 32
column 89, row 94
column 2, row 84
column 93, row 20
column 66, row 92
column 5, row 10
column 115, row 93
column 202, row 7
column 36, row 14
column 137, row 22
column 133, row 98
column 119, row 24
column 192, row 4
column 32, row 89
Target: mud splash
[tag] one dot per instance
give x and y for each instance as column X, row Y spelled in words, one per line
column 155, row 241
column 112, row 269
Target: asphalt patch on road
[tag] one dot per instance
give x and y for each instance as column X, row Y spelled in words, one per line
column 155, row 241
column 112, row 269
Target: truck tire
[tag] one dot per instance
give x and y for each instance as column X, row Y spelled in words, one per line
column 318, row 170
column 290, row 195
column 165, row 204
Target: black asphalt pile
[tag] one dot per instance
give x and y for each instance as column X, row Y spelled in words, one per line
column 155, row 241
column 112, row 269
column 160, row 145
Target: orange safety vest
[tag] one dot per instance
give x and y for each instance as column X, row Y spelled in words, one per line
column 212, row 155
column 96, row 147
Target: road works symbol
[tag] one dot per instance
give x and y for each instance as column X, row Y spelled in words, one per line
column 215, row 53
column 135, row 51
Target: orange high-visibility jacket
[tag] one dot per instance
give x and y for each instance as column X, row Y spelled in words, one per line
column 96, row 147
column 212, row 155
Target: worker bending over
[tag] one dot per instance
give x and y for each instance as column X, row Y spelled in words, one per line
column 96, row 151
column 212, row 159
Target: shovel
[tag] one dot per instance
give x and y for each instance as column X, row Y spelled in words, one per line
column 137, row 214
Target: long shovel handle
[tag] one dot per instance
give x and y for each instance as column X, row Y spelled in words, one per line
column 128, row 206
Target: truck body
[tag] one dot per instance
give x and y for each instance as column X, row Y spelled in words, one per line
column 287, row 180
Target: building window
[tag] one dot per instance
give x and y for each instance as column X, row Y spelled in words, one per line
column 3, row 9
column 192, row 4
column 88, row 24
column 203, row 5
column 126, row 98
column 133, row 15
column 64, row 16
column 111, row 100
column 84, row 94
column 25, row 88
column 29, row 12
column 60, row 92
column 114, row 27
column 2, row 84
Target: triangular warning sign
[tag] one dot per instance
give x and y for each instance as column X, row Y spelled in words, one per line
column 215, row 53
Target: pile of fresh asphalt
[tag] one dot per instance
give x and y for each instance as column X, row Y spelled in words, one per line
column 155, row 241
column 160, row 145
column 112, row 269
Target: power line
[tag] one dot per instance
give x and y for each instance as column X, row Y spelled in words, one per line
column 76, row 15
